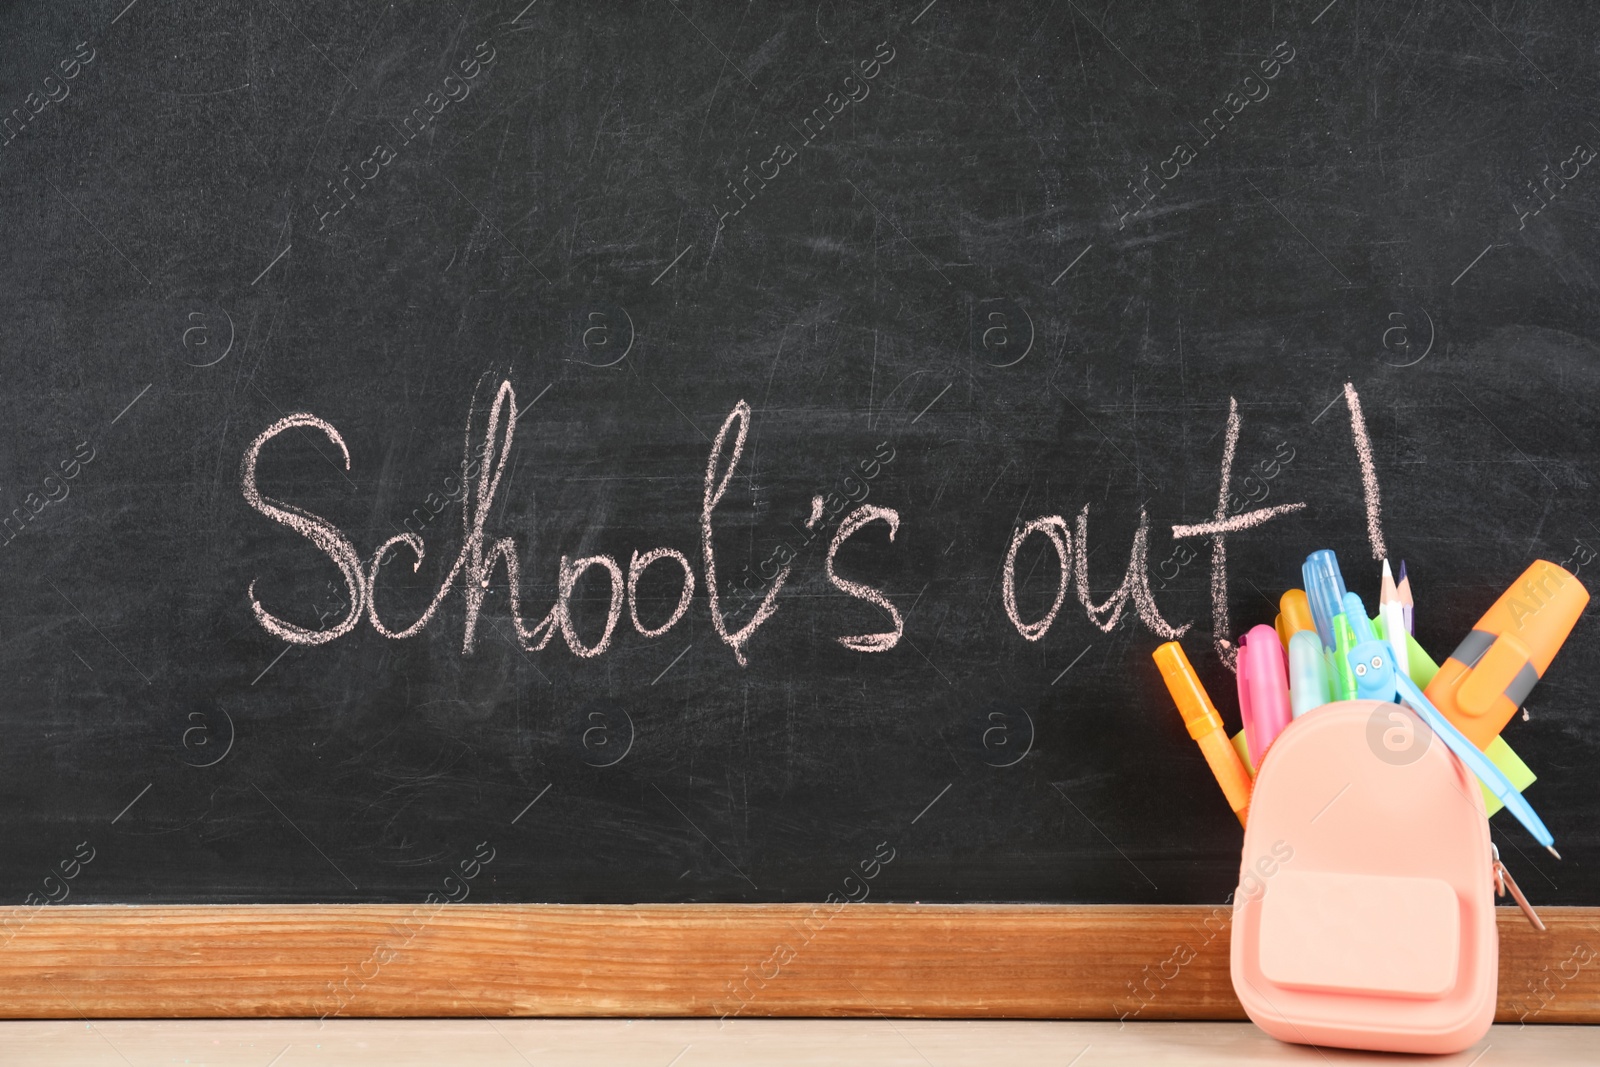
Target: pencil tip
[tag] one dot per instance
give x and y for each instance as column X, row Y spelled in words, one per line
column 1552, row 850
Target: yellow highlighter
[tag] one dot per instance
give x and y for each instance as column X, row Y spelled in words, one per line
column 1241, row 746
column 1519, row 773
column 1294, row 615
column 1205, row 726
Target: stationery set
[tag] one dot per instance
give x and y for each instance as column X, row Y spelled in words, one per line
column 1364, row 775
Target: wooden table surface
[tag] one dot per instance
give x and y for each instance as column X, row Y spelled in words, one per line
column 700, row 1043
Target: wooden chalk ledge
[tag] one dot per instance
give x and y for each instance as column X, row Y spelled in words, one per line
column 906, row 960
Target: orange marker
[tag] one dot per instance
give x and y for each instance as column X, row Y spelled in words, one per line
column 1489, row 675
column 1205, row 726
column 1294, row 615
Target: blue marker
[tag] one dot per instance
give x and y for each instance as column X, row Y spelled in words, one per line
column 1376, row 679
column 1324, row 591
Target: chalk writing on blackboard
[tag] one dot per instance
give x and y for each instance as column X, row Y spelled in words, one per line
column 483, row 466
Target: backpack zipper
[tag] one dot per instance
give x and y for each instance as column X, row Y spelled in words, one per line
column 1504, row 881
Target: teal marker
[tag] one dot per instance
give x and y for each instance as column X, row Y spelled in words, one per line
column 1308, row 673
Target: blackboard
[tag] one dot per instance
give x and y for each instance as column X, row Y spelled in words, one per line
column 969, row 265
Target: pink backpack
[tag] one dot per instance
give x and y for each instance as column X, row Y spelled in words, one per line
column 1364, row 916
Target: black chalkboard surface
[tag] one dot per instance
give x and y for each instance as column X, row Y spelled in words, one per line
column 814, row 310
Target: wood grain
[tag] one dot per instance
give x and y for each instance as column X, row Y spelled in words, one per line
column 904, row 960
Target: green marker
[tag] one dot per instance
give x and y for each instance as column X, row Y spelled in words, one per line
column 1344, row 639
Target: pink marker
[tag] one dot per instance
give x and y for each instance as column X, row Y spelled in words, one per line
column 1263, row 690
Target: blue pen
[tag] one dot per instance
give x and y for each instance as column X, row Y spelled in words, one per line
column 1376, row 679
column 1324, row 591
